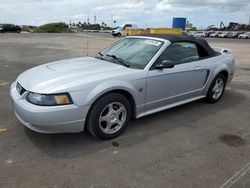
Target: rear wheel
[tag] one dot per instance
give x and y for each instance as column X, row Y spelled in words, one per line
column 109, row 116
column 216, row 89
column 119, row 35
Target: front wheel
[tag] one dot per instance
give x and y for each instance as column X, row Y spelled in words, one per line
column 109, row 116
column 216, row 89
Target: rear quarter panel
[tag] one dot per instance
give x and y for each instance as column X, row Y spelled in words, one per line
column 223, row 62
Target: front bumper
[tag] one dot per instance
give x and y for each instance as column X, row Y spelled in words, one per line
column 48, row 119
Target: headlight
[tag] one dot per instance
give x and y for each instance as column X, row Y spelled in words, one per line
column 49, row 99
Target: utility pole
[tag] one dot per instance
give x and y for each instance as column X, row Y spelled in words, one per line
column 88, row 19
column 111, row 25
column 222, row 25
column 87, row 44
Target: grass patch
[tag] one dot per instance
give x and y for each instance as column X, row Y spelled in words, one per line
column 53, row 28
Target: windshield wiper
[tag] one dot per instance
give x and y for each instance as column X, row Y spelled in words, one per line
column 120, row 60
column 100, row 53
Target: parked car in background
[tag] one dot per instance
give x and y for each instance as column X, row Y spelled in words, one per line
column 184, row 33
column 245, row 35
column 119, row 30
column 199, row 34
column 215, row 34
column 28, row 28
column 223, row 35
column 9, row 28
column 190, row 33
column 134, row 77
column 208, row 33
column 232, row 35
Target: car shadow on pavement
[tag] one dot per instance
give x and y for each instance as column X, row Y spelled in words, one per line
column 81, row 144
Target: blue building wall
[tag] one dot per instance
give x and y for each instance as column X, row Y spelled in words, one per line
column 179, row 23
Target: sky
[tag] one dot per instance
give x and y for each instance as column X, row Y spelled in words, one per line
column 144, row 13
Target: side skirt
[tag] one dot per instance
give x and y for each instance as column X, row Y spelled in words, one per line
column 169, row 106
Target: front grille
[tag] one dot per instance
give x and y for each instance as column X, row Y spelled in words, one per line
column 20, row 89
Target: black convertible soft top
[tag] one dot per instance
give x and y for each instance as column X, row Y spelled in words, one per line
column 185, row 38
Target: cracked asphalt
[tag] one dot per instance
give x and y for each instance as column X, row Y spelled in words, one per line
column 187, row 146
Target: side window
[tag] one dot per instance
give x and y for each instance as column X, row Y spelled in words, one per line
column 180, row 52
column 10, row 26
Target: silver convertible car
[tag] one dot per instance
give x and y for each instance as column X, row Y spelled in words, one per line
column 134, row 77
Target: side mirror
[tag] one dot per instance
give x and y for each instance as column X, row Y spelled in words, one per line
column 165, row 64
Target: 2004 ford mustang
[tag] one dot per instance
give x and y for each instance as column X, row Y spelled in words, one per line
column 134, row 77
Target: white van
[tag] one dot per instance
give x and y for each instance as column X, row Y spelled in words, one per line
column 119, row 30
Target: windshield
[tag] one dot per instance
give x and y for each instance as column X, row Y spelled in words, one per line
column 135, row 52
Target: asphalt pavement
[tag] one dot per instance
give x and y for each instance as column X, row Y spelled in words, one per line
column 194, row 145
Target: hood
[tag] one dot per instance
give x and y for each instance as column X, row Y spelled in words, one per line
column 67, row 75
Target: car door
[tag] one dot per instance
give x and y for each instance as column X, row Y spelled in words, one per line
column 183, row 81
column 12, row 28
column 8, row 28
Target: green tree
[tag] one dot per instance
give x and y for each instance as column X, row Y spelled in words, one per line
column 53, row 28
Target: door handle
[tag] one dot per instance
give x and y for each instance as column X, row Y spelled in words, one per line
column 197, row 68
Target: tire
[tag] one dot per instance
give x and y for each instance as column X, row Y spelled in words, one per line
column 216, row 89
column 109, row 116
column 119, row 35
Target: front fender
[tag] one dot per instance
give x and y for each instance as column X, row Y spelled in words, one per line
column 110, row 86
column 90, row 95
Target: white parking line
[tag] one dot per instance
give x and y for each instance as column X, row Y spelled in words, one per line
column 3, row 83
column 236, row 177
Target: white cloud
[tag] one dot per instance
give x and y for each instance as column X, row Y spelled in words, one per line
column 121, row 7
column 149, row 13
column 222, row 5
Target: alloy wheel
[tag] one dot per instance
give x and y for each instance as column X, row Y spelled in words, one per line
column 218, row 88
column 112, row 118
